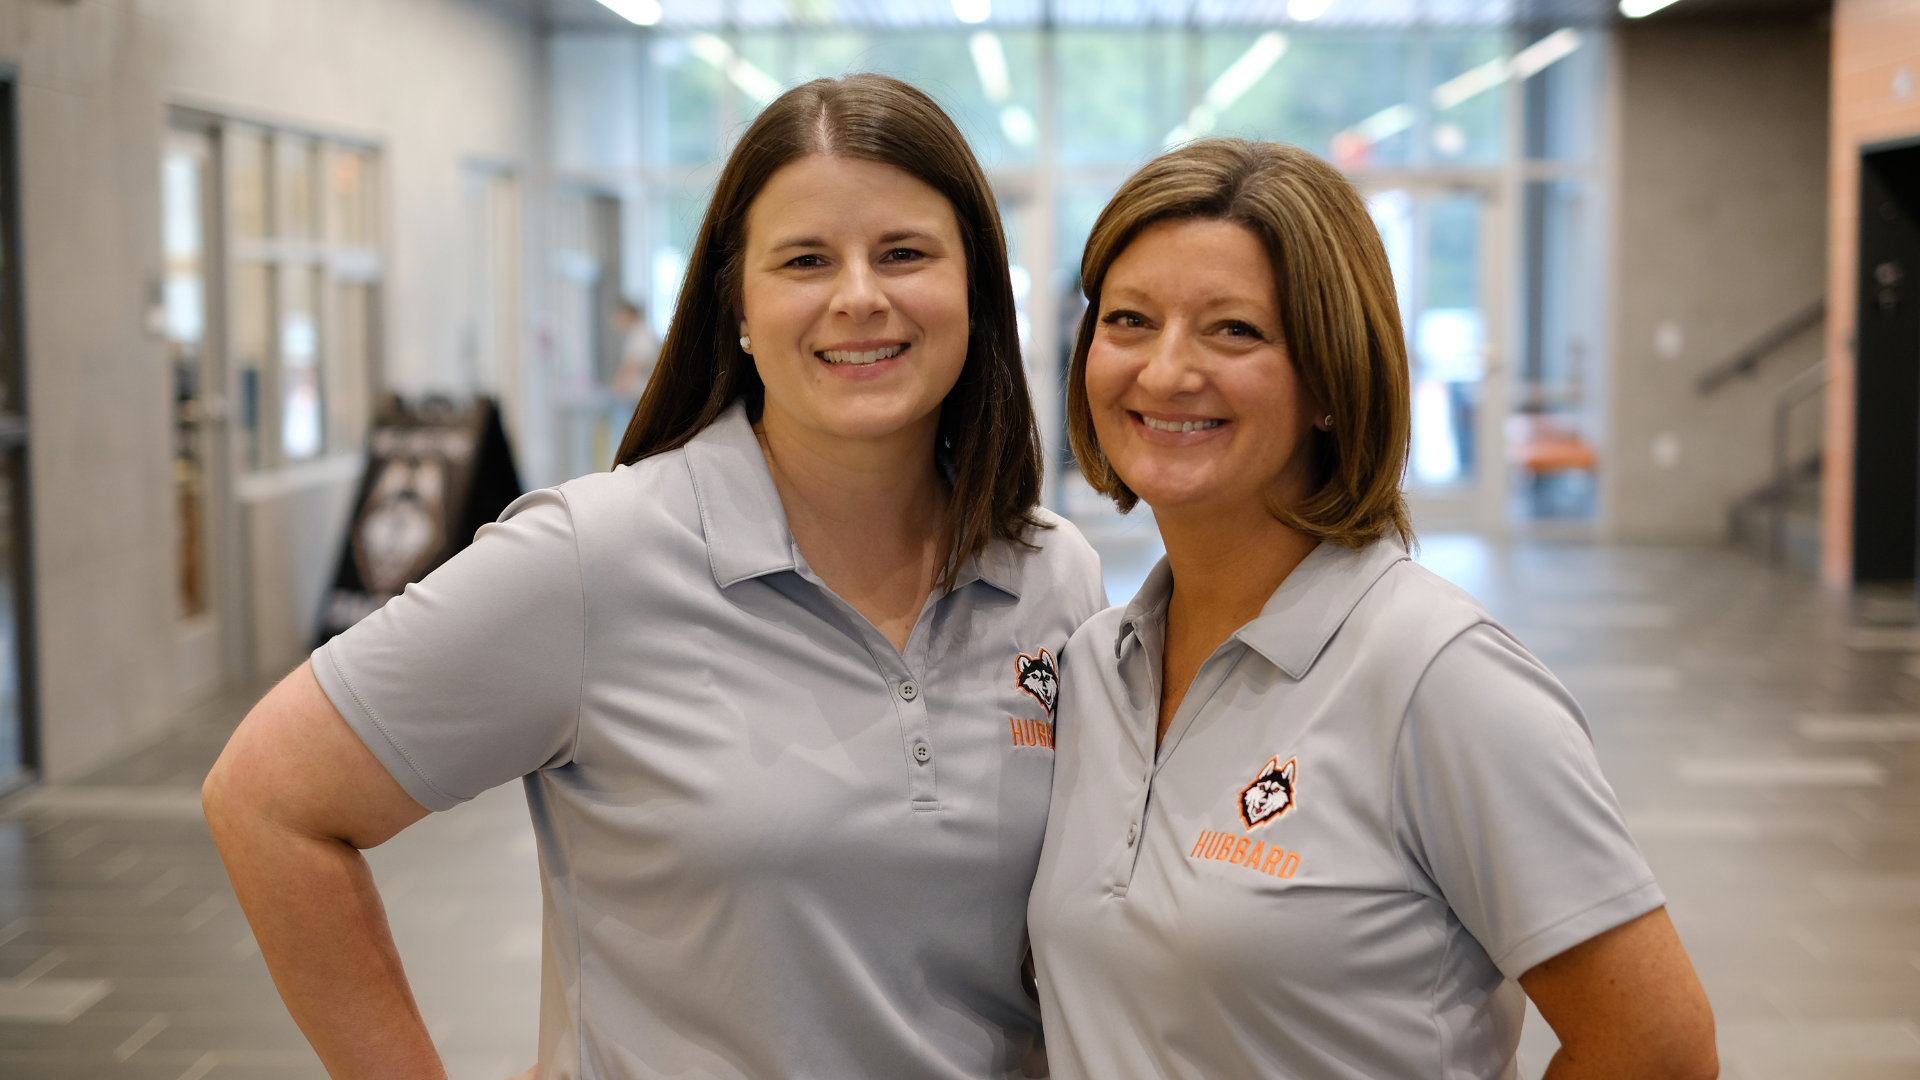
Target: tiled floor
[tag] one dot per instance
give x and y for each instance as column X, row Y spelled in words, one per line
column 116, row 880
column 1764, row 736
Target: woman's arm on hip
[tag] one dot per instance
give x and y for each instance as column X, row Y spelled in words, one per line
column 1626, row 1005
column 292, row 800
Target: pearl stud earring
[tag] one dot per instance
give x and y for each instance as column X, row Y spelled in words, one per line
column 746, row 343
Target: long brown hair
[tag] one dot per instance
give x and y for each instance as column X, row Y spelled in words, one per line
column 987, row 444
column 1337, row 312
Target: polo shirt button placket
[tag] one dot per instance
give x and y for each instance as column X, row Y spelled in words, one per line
column 922, row 790
column 1136, row 826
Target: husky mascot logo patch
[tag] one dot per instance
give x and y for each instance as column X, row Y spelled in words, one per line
column 1038, row 677
column 1270, row 794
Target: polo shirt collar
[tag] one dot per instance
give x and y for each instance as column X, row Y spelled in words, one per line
column 746, row 525
column 740, row 511
column 1303, row 613
column 1299, row 618
column 1000, row 566
column 1147, row 612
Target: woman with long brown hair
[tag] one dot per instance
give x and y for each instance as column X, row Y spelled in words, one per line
column 780, row 685
column 1316, row 815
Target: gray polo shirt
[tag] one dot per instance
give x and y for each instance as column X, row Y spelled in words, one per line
column 1372, row 810
column 772, row 845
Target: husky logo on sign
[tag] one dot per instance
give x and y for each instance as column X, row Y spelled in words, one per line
column 402, row 524
column 1038, row 677
column 1270, row 794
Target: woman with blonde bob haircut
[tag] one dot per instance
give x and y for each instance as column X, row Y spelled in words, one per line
column 1337, row 312
column 1315, row 814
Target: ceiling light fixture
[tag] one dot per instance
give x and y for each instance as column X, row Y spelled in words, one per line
column 637, row 12
column 1462, row 88
column 1241, row 76
column 744, row 74
column 972, row 11
column 990, row 62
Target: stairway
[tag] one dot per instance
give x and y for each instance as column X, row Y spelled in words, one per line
column 1793, row 509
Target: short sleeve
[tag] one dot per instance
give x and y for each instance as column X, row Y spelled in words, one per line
column 471, row 677
column 1501, row 803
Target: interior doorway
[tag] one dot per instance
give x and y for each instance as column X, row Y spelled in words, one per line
column 19, row 714
column 1886, row 455
column 593, row 324
column 490, row 353
column 189, row 248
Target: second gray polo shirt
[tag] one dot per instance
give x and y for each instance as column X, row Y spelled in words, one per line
column 772, row 845
column 1372, row 811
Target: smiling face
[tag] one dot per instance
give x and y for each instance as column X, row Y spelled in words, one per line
column 1193, row 396
column 854, row 295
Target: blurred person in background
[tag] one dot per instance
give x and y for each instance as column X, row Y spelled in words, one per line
column 778, row 685
column 1315, row 814
column 639, row 351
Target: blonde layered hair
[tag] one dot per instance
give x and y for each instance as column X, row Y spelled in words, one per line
column 1337, row 312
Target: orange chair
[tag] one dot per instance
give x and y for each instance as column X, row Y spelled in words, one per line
column 1541, row 446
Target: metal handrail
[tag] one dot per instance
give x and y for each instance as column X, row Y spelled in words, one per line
column 1796, row 390
column 1747, row 360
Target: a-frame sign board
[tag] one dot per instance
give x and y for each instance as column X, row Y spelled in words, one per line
column 435, row 474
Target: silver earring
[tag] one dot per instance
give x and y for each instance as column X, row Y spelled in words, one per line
column 1326, row 422
column 746, row 343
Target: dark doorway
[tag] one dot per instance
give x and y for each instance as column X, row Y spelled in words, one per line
column 19, row 727
column 1886, row 463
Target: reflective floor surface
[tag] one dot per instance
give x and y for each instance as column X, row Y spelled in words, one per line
column 1763, row 734
column 117, row 924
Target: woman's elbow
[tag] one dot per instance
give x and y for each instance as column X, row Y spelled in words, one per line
column 224, row 799
column 1692, row 1051
column 213, row 792
column 1675, row 1043
column 1628, row 1004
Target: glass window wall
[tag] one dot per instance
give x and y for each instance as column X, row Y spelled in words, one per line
column 1434, row 122
column 1554, row 433
column 302, row 218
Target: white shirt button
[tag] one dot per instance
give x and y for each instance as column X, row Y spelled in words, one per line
column 908, row 691
column 1133, row 833
column 922, row 753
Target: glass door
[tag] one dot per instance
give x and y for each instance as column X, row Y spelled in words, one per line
column 1438, row 242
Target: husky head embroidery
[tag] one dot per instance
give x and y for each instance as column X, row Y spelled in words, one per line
column 1270, row 794
column 1038, row 677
